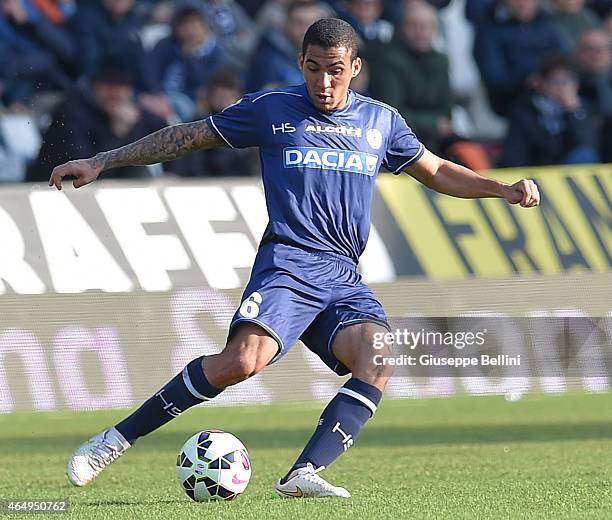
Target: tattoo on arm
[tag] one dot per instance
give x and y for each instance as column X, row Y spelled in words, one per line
column 166, row 144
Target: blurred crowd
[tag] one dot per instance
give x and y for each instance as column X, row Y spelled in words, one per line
column 484, row 82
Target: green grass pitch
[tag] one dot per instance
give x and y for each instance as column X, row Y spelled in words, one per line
column 462, row 457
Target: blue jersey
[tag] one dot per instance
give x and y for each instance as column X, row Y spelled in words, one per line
column 319, row 169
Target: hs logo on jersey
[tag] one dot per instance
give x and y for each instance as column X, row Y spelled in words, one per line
column 347, row 440
column 174, row 411
column 284, row 128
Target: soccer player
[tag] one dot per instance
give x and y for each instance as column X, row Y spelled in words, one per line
column 321, row 147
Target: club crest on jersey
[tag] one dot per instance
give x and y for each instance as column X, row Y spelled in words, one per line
column 330, row 159
column 349, row 131
column 374, row 138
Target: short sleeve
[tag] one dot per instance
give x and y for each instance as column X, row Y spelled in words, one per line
column 237, row 125
column 403, row 147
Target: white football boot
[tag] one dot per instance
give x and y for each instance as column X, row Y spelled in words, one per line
column 306, row 483
column 88, row 461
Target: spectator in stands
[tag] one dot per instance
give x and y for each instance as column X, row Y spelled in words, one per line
column 101, row 117
column 601, row 8
column 394, row 9
column 477, row 11
column 413, row 77
column 365, row 17
column 509, row 45
column 274, row 63
column 593, row 58
column 272, row 14
column 436, row 4
column 607, row 23
column 12, row 162
column 235, row 31
column 571, row 19
column 12, row 167
column 250, row 7
column 550, row 124
column 109, row 28
column 222, row 91
column 182, row 63
column 36, row 50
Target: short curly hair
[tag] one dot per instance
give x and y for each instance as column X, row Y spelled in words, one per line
column 329, row 33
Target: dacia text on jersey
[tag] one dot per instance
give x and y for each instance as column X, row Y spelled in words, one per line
column 330, row 159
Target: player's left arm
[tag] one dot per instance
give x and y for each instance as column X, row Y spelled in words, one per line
column 452, row 179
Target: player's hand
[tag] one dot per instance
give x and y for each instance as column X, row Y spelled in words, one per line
column 524, row 192
column 84, row 171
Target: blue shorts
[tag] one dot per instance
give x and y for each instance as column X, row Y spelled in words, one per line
column 296, row 294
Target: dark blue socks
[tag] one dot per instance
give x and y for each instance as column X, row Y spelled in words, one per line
column 186, row 389
column 338, row 427
column 340, row 423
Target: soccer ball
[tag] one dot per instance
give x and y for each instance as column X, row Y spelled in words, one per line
column 213, row 465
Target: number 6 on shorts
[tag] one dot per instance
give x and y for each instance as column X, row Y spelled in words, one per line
column 250, row 306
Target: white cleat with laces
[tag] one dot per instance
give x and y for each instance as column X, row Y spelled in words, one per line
column 88, row 461
column 307, row 483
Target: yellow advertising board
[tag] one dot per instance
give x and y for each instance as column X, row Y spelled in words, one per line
column 454, row 238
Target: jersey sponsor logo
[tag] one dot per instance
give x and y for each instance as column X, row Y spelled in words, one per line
column 330, row 159
column 349, row 131
column 284, row 128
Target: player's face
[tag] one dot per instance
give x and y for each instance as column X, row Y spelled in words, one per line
column 328, row 74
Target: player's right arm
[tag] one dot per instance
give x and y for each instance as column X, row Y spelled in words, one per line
column 166, row 144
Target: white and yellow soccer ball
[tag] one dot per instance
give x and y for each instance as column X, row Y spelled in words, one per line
column 213, row 465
